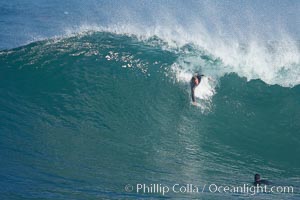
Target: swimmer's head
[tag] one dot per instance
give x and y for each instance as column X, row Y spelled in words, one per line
column 256, row 177
column 196, row 81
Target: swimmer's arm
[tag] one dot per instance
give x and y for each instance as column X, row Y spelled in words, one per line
column 210, row 78
column 193, row 94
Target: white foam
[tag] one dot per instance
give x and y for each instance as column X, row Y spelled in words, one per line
column 205, row 90
column 236, row 33
column 275, row 62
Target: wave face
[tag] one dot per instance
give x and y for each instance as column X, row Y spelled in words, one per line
column 83, row 116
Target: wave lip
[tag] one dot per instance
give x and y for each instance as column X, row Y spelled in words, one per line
column 274, row 62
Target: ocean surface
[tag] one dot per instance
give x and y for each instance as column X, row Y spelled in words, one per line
column 95, row 99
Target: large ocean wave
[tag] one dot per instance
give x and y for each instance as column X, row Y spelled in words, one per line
column 101, row 107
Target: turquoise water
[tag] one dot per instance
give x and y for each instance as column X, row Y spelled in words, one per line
column 95, row 99
column 83, row 116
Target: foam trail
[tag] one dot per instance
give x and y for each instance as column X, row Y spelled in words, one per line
column 205, row 90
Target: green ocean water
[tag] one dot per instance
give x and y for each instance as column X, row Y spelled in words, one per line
column 84, row 116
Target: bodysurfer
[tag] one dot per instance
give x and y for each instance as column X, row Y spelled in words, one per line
column 195, row 81
column 258, row 181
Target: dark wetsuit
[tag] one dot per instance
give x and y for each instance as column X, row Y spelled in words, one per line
column 261, row 182
column 194, row 85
